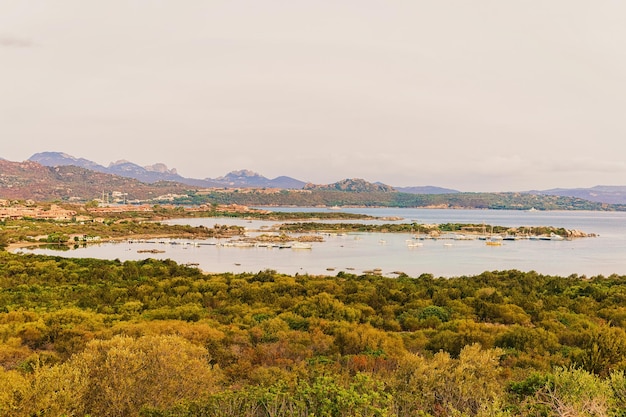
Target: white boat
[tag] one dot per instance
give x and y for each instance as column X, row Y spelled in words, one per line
column 241, row 244
column 334, row 208
column 282, row 245
column 301, row 245
column 554, row 236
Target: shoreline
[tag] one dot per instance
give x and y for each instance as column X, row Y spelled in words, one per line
column 11, row 247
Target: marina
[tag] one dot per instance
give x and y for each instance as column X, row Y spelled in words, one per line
column 392, row 254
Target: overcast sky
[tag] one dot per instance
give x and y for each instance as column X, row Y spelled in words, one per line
column 472, row 95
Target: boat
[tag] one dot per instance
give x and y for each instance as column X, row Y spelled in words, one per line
column 494, row 240
column 301, row 245
column 334, row 208
column 242, row 244
column 552, row 236
column 410, row 243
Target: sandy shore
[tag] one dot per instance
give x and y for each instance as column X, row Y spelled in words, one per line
column 14, row 246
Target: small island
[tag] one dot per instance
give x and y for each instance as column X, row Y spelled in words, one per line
column 29, row 223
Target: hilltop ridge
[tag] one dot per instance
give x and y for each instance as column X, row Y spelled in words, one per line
column 160, row 172
column 158, row 179
column 351, row 185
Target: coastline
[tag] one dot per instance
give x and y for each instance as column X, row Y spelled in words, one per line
column 11, row 247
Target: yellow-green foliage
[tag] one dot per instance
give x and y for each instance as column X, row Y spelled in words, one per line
column 153, row 338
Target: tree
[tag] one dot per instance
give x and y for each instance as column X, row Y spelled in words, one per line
column 603, row 349
column 125, row 374
column 572, row 392
column 4, row 240
column 444, row 386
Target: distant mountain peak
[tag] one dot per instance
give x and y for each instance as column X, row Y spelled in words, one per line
column 52, row 159
column 50, row 154
column 600, row 193
column 160, row 168
column 242, row 173
column 246, row 173
column 160, row 172
column 57, row 154
column 120, row 162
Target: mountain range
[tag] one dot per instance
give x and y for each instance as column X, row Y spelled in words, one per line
column 600, row 193
column 235, row 179
column 160, row 172
column 30, row 180
column 48, row 175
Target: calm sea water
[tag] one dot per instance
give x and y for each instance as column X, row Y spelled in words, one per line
column 359, row 252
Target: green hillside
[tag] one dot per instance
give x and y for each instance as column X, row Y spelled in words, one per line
column 495, row 201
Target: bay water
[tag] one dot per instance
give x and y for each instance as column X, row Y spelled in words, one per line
column 392, row 253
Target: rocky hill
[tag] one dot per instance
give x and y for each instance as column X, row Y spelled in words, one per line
column 153, row 175
column 352, row 185
column 246, row 178
column 31, row 180
column 160, row 172
column 53, row 159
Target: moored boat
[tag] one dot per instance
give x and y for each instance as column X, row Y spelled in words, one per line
column 301, row 245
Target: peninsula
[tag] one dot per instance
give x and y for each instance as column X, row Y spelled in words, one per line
column 29, row 223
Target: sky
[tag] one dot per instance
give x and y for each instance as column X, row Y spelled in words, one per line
column 493, row 95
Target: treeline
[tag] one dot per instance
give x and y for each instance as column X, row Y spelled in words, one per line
column 92, row 337
column 495, row 201
column 35, row 230
column 422, row 229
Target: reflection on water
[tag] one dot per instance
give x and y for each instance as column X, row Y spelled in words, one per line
column 400, row 253
column 58, row 247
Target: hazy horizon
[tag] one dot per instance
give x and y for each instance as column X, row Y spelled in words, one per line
column 488, row 96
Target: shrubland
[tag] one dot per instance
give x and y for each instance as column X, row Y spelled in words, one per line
column 154, row 338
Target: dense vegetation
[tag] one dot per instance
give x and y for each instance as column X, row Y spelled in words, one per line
column 153, row 338
column 423, row 229
column 32, row 230
column 140, row 224
column 495, row 201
